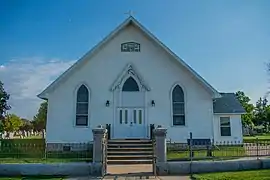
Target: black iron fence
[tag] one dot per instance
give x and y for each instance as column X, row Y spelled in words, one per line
column 35, row 150
column 225, row 150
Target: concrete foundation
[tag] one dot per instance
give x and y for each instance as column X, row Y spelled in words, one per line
column 63, row 169
column 178, row 168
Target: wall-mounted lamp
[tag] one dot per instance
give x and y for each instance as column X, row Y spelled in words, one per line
column 153, row 103
column 107, row 103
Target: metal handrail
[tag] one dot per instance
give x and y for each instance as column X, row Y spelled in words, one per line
column 104, row 156
column 154, row 156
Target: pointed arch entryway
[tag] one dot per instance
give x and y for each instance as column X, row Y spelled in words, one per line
column 130, row 105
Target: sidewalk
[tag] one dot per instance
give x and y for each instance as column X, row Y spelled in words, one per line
column 131, row 178
column 131, row 172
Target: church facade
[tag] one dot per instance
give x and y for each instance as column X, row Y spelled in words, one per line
column 131, row 80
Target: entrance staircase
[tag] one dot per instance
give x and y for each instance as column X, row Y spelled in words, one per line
column 130, row 151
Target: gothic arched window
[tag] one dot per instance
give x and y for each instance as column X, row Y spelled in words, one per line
column 82, row 105
column 178, row 105
column 130, row 85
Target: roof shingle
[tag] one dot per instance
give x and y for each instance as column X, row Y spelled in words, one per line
column 228, row 103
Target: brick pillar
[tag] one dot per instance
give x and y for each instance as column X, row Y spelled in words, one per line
column 160, row 147
column 98, row 136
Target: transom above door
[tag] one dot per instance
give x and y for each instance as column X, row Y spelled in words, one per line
column 130, row 123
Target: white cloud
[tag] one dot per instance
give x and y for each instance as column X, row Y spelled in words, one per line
column 2, row 67
column 25, row 78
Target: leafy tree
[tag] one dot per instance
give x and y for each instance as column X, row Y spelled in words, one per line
column 26, row 125
column 40, row 118
column 4, row 97
column 12, row 123
column 261, row 112
column 247, row 119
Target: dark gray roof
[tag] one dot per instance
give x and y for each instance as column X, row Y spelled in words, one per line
column 228, row 103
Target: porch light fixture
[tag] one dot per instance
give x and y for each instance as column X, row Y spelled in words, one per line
column 107, row 103
column 153, row 103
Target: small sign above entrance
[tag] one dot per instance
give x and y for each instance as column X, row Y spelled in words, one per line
column 130, row 47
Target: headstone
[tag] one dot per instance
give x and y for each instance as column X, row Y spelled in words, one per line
column 24, row 134
column 11, row 135
column 43, row 134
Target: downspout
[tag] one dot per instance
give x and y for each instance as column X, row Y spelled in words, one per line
column 213, row 120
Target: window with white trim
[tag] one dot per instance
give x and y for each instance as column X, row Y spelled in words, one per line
column 178, row 106
column 82, row 105
column 225, row 126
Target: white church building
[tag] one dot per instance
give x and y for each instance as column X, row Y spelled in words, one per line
column 131, row 80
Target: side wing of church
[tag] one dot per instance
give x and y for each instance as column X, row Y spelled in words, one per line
column 131, row 81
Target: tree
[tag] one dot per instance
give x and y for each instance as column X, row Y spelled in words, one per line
column 4, row 97
column 261, row 112
column 40, row 118
column 26, row 125
column 247, row 119
column 12, row 123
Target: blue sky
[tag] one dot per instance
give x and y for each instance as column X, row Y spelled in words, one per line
column 226, row 42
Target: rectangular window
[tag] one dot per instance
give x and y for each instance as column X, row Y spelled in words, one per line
column 140, row 116
column 81, row 120
column 126, row 116
column 134, row 116
column 120, row 117
column 179, row 120
column 225, row 126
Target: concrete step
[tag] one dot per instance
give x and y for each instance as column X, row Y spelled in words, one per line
column 129, row 157
column 130, row 152
column 129, row 145
column 130, row 140
column 130, row 149
column 125, row 161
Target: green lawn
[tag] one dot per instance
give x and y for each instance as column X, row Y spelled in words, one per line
column 33, row 137
column 220, row 153
column 266, row 136
column 33, row 177
column 240, row 175
column 262, row 139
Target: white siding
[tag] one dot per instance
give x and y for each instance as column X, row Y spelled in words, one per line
column 236, row 129
column 159, row 71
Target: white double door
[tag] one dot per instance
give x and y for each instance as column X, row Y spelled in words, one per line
column 130, row 123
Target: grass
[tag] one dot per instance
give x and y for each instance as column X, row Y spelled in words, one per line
column 33, row 137
column 240, row 175
column 223, row 153
column 262, row 139
column 259, row 137
column 33, row 151
column 33, row 177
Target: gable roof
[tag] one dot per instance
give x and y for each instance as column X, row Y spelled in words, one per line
column 228, row 104
column 128, row 21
